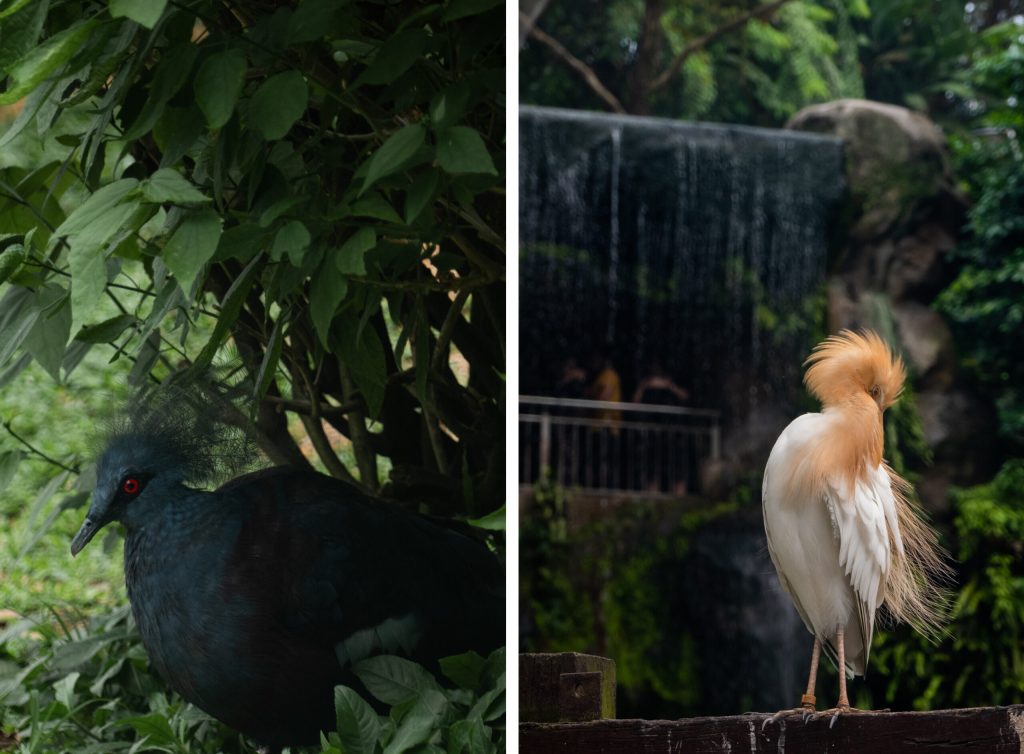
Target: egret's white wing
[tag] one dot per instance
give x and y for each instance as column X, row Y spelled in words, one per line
column 864, row 518
column 775, row 559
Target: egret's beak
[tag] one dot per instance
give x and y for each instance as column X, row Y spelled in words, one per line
column 86, row 533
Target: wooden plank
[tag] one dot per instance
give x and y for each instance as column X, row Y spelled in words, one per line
column 982, row 730
column 566, row 687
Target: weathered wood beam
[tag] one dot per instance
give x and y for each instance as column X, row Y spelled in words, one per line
column 988, row 730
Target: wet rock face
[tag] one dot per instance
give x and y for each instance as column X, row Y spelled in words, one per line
column 905, row 216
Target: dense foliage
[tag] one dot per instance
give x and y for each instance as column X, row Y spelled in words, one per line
column 87, row 687
column 320, row 184
column 979, row 662
column 986, row 301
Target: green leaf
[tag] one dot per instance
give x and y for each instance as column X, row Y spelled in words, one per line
column 154, row 726
column 326, row 294
column 449, row 106
column 419, row 722
column 376, row 206
column 493, row 521
column 229, row 310
column 419, row 194
column 490, row 706
column 464, row 669
column 460, row 149
column 178, row 129
column 107, row 330
column 15, row 6
column 97, row 204
column 167, row 185
column 358, row 725
column 20, row 31
column 9, row 461
column 393, row 680
column 49, row 335
column 349, row 258
column 18, row 313
column 192, row 245
column 461, row 8
column 292, row 239
column 44, row 60
column 469, row 737
column 144, row 12
column 171, row 74
column 87, row 257
column 313, row 19
column 278, row 104
column 394, row 153
column 218, row 85
column 64, row 689
column 395, row 57
column 11, row 259
column 271, row 358
column 360, row 348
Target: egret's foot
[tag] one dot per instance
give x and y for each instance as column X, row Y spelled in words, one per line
column 805, row 710
column 835, row 712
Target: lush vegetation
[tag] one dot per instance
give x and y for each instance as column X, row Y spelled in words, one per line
column 85, row 685
column 301, row 202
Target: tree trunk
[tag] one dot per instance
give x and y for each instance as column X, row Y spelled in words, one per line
column 648, row 60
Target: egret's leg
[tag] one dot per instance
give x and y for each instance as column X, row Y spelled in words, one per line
column 844, row 702
column 807, row 701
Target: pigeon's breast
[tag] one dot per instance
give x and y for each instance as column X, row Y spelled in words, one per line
column 187, row 627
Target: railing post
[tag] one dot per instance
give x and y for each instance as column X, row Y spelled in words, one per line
column 545, row 442
column 716, row 441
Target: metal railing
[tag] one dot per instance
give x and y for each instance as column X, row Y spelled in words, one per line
column 608, row 447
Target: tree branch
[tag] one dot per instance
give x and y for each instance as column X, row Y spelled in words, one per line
column 700, row 43
column 36, row 451
column 574, row 62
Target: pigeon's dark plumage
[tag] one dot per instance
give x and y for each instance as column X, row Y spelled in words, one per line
column 255, row 600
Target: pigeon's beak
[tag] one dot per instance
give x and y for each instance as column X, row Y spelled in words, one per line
column 87, row 532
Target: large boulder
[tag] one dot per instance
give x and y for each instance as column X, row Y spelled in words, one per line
column 895, row 159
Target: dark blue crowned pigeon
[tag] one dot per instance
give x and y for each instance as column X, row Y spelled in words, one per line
column 254, row 600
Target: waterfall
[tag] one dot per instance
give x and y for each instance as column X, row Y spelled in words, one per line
column 699, row 246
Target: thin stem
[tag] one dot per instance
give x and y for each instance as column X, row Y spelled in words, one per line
column 444, row 336
column 33, row 449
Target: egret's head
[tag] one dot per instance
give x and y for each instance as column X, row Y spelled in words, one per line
column 850, row 366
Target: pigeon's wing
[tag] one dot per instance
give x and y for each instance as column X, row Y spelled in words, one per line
column 863, row 516
column 365, row 577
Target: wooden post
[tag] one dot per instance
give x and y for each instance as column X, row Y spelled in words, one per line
column 981, row 730
column 545, row 444
column 566, row 687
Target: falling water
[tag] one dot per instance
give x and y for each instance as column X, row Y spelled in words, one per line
column 698, row 246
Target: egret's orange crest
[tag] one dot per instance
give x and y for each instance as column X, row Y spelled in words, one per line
column 847, row 366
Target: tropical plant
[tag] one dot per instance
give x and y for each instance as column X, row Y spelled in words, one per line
column 85, row 685
column 311, row 193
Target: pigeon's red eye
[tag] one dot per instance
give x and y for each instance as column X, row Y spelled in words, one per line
column 131, row 486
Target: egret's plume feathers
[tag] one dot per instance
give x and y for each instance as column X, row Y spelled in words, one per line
column 916, row 589
column 849, row 364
